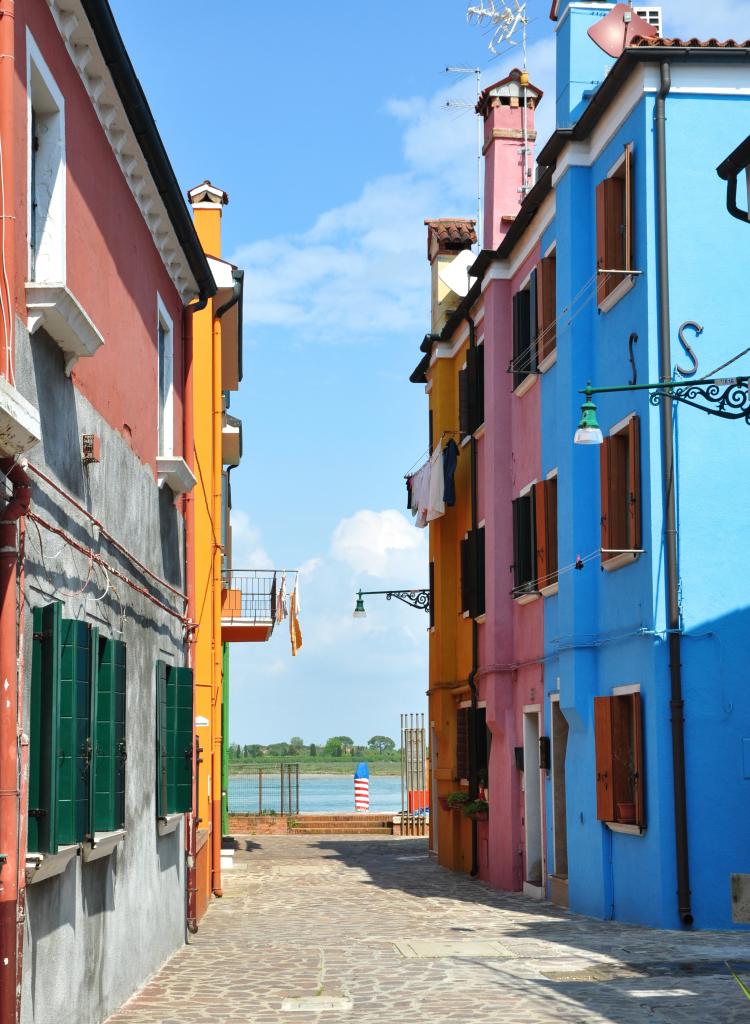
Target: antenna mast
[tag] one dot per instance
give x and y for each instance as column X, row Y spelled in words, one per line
column 507, row 18
column 464, row 105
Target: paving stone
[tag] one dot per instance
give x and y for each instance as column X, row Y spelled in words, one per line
column 318, row 920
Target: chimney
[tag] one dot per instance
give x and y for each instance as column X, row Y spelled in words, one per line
column 581, row 65
column 446, row 238
column 508, row 111
column 207, row 202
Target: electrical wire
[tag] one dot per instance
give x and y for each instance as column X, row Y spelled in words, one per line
column 729, row 362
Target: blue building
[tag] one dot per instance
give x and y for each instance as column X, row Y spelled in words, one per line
column 650, row 285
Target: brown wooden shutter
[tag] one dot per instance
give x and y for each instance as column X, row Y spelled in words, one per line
column 601, row 246
column 462, row 743
column 639, row 781
column 540, row 506
column 547, row 305
column 605, row 799
column 463, row 402
column 465, row 575
column 629, row 203
column 432, row 594
column 604, row 488
column 634, row 483
column 479, row 572
column 550, row 506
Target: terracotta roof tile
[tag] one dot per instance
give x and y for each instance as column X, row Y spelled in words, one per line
column 453, row 232
column 704, row 44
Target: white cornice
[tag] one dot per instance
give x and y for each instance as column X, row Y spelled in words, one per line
column 80, row 41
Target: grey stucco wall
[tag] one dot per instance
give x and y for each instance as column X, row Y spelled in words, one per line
column 99, row 930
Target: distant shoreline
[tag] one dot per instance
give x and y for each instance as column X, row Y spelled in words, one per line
column 376, row 770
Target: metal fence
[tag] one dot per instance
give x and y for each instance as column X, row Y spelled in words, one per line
column 415, row 799
column 272, row 789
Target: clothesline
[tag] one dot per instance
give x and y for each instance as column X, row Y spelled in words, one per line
column 432, row 487
column 427, row 453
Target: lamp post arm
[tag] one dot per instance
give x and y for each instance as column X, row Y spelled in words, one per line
column 414, row 597
column 664, row 385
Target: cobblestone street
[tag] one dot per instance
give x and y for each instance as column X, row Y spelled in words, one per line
column 356, row 930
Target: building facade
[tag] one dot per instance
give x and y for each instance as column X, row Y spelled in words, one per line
column 610, row 640
column 100, row 266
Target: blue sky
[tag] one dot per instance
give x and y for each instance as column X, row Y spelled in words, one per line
column 326, row 124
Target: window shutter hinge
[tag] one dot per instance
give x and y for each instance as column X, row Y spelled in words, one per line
column 37, row 812
column 44, row 635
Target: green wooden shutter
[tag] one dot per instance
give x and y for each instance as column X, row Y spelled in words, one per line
column 182, row 741
column 108, row 796
column 73, row 732
column 161, row 740
column 43, row 734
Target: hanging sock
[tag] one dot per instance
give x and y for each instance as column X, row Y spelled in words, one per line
column 450, row 460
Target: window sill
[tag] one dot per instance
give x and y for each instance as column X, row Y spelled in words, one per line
column 625, row 830
column 481, row 619
column 480, row 431
column 166, row 826
column 175, row 473
column 40, row 866
column 55, row 308
column 548, row 362
column 526, row 385
column 549, row 591
column 619, row 292
column 527, row 598
column 464, row 441
column 619, row 560
column 103, row 845
column 20, row 427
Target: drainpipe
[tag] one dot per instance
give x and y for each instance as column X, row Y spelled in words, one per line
column 189, row 507
column 12, row 810
column 216, row 748
column 672, row 573
column 473, row 787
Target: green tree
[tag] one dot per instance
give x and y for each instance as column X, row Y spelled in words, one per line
column 278, row 749
column 383, row 744
column 296, row 745
column 313, row 750
column 338, row 745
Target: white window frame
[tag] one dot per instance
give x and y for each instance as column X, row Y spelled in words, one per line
column 42, row 90
column 165, row 414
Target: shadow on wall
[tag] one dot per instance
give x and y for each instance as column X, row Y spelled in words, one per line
column 55, row 399
column 169, row 534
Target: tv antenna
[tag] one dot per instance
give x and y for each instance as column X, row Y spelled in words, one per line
column 467, row 105
column 506, row 17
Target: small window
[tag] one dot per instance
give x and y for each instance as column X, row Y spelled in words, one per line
column 473, row 573
column 77, row 738
column 165, row 426
column 614, row 228
column 524, row 545
column 525, row 332
column 620, row 783
column 174, row 739
column 465, row 737
column 545, row 510
column 620, row 476
column 546, row 302
column 46, row 164
column 471, row 392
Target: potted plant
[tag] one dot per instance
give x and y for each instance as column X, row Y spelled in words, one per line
column 477, row 810
column 456, row 800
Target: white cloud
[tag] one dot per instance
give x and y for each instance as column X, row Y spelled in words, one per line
column 247, row 550
column 383, row 544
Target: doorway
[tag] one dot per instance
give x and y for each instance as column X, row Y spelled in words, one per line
column 559, row 876
column 533, row 884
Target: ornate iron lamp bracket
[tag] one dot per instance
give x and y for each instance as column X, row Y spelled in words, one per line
column 726, row 397
column 414, row 598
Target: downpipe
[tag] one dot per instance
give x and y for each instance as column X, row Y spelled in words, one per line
column 13, row 789
column 672, row 573
column 473, row 782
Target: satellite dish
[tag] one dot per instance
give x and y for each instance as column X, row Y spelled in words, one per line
column 619, row 28
column 455, row 275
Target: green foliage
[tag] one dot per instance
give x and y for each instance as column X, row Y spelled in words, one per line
column 313, row 750
column 458, row 798
column 476, row 807
column 296, row 745
column 381, row 744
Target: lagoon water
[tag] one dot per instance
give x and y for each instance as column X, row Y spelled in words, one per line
column 324, row 794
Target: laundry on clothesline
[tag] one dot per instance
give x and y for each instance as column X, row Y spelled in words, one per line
column 433, row 487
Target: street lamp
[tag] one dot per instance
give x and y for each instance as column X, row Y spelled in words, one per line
column 414, row 598
column 727, row 397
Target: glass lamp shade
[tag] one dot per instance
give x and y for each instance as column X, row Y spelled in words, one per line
column 359, row 609
column 588, row 435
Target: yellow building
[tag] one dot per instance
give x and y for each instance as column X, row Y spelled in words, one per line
column 451, row 637
column 227, row 605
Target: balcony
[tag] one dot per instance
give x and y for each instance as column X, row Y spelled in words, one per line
column 248, row 605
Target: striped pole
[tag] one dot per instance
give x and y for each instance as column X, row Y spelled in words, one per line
column 362, row 787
